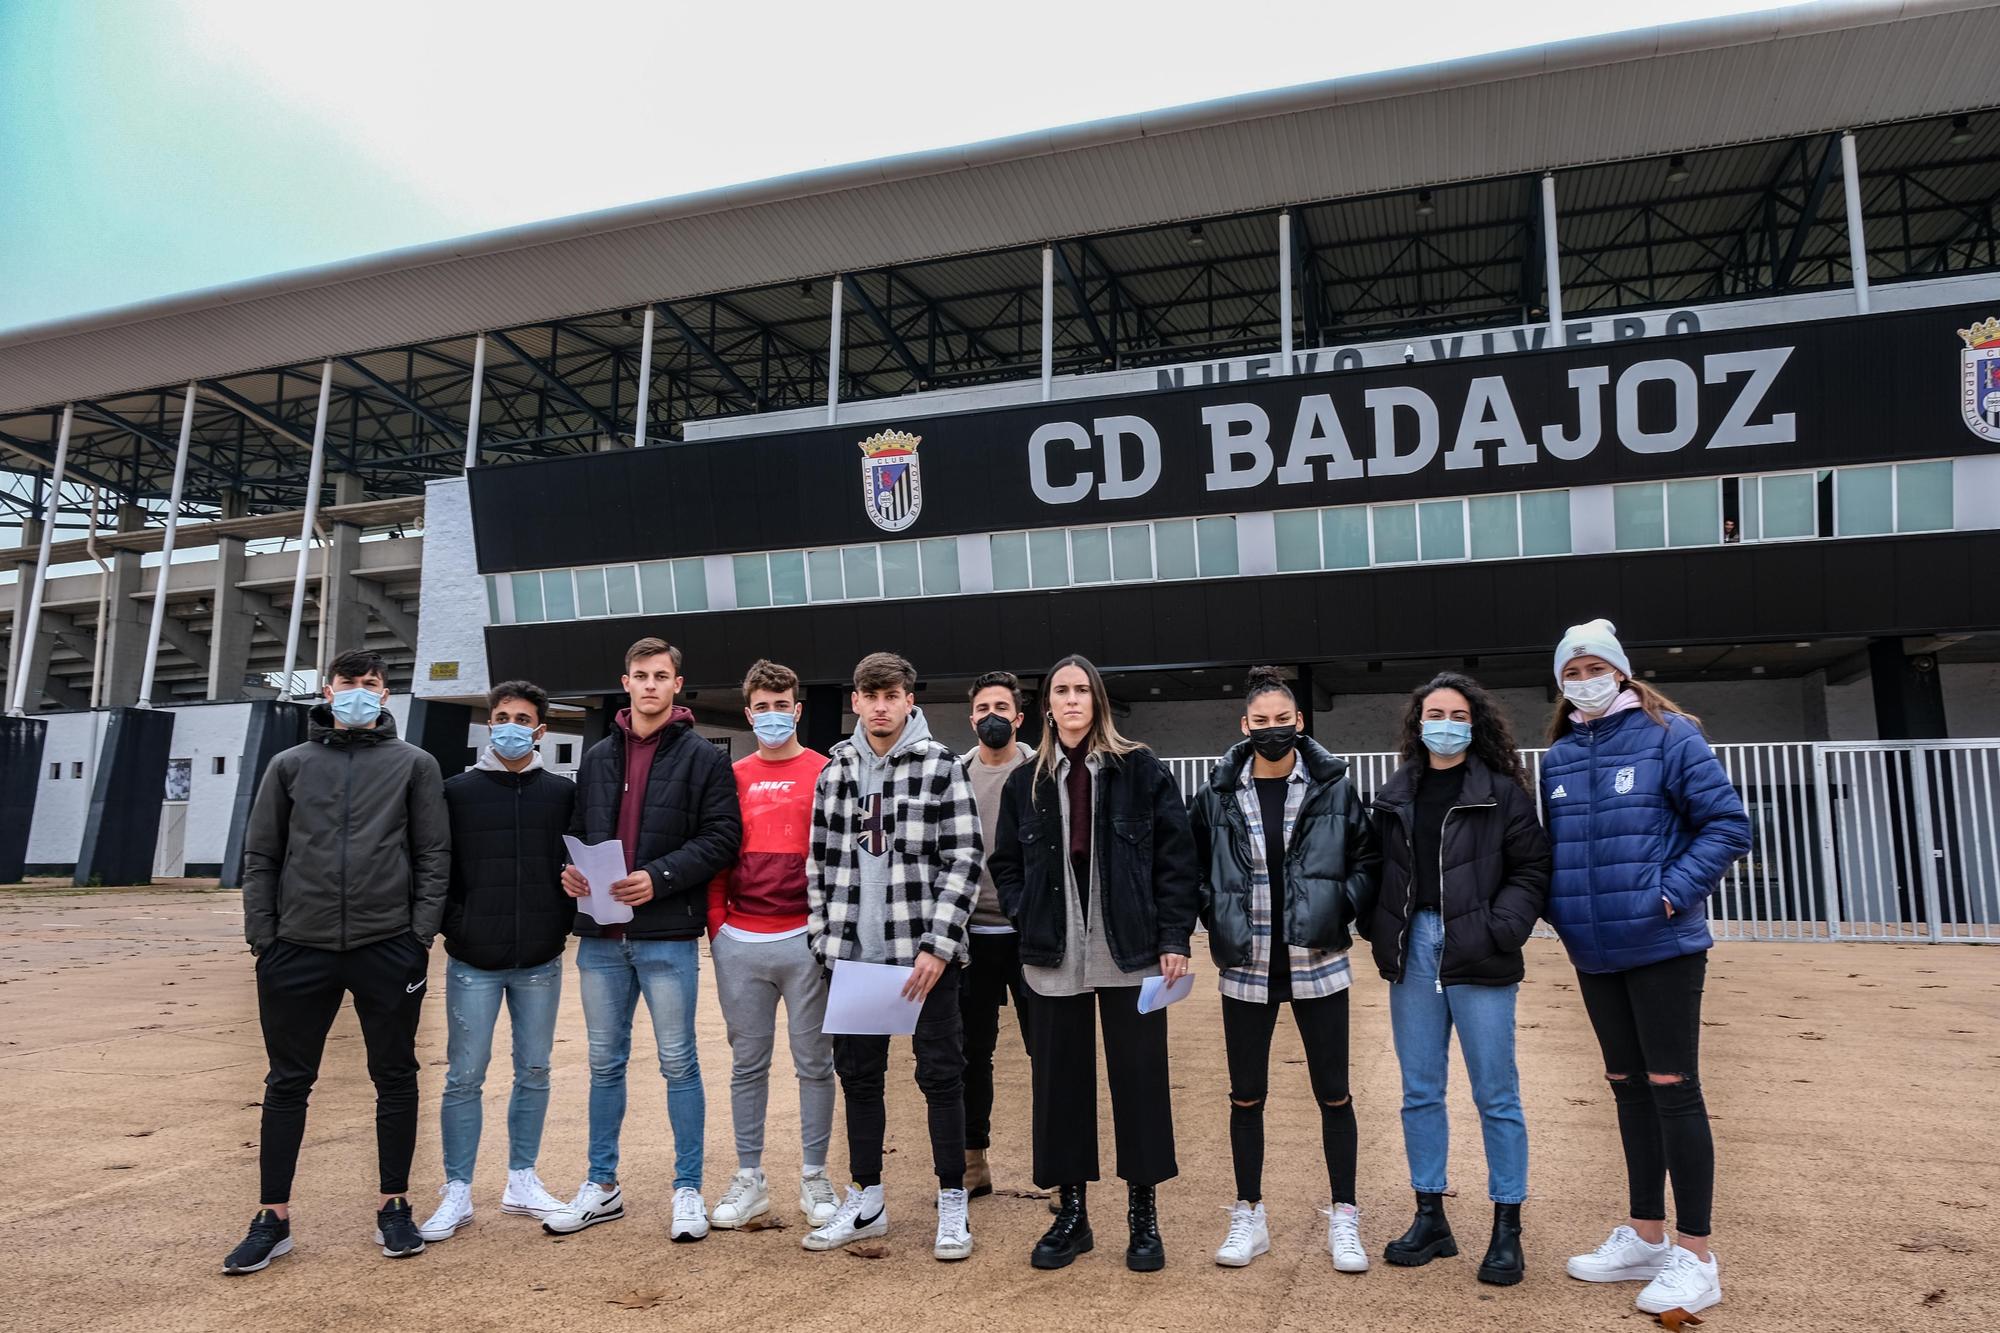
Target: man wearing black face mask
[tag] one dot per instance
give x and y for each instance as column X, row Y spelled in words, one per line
column 995, row 969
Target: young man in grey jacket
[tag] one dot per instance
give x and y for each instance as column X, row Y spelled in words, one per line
column 346, row 867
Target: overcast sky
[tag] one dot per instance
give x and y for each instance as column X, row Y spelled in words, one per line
column 148, row 148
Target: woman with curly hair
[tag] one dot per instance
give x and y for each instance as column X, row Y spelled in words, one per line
column 1465, row 874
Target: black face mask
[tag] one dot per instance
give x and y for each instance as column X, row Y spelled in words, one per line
column 1274, row 742
column 994, row 730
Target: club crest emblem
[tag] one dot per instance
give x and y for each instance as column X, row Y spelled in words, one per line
column 1622, row 783
column 1979, row 379
column 892, row 487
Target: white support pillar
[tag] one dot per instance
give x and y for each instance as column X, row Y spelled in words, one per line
column 472, row 413
column 306, row 528
column 1552, row 269
column 25, row 635
column 1857, row 237
column 833, row 355
column 1048, row 321
column 166, row 552
column 1285, row 290
column 645, row 381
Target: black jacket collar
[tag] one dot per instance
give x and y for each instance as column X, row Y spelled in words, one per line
column 1322, row 765
column 1401, row 788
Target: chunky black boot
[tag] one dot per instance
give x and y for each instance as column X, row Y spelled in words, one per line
column 1503, row 1265
column 1428, row 1238
column 1067, row 1236
column 1145, row 1253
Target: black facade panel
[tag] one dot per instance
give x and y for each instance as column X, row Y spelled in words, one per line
column 22, row 740
column 1863, row 389
column 122, row 828
column 1752, row 593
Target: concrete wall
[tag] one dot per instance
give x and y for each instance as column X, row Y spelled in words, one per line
column 451, row 612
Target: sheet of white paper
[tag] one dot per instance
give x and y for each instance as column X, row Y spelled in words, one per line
column 1155, row 993
column 603, row 864
column 866, row 999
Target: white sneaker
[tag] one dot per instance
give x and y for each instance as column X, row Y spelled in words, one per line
column 453, row 1213
column 954, row 1236
column 527, row 1196
column 1686, row 1283
column 747, row 1197
column 593, row 1204
column 1249, row 1236
column 817, row 1199
column 1623, row 1257
column 690, row 1215
column 860, row 1215
column 1343, row 1238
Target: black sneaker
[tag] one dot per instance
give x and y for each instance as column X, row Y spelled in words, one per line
column 270, row 1236
column 396, row 1230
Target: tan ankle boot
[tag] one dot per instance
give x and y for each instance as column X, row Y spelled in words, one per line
column 978, row 1176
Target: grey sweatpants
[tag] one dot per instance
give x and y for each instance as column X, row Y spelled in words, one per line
column 749, row 981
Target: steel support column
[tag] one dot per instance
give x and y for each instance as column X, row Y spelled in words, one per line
column 1048, row 321
column 833, row 355
column 1857, row 238
column 306, row 522
column 645, row 384
column 167, row 551
column 472, row 412
column 25, row 635
column 1551, row 266
column 1285, row 290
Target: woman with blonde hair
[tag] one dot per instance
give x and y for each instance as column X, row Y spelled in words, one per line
column 1095, row 867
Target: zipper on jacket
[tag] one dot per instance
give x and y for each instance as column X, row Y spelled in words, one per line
column 1443, row 825
column 346, row 832
column 515, row 961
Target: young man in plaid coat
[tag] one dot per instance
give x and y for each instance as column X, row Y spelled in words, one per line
column 891, row 877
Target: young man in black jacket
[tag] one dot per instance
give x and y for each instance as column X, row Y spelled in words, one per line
column 669, row 798
column 345, row 863
column 505, row 925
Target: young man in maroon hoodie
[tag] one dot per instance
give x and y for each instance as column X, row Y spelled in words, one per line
column 757, row 936
column 668, row 796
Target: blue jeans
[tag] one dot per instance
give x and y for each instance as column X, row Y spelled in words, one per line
column 615, row 973
column 472, row 1006
column 1422, row 1015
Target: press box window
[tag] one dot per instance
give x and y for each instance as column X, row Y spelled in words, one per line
column 1441, row 530
column 1090, row 555
column 1297, row 534
column 1010, row 561
column 1923, row 496
column 1344, row 534
column 902, row 574
column 1864, row 501
column 1048, row 557
column 1395, row 534
column 940, row 565
column 1215, row 542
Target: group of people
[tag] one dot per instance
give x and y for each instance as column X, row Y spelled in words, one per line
column 1056, row 879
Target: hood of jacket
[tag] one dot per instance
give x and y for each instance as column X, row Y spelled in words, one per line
column 916, row 731
column 490, row 762
column 321, row 729
column 678, row 716
column 1322, row 765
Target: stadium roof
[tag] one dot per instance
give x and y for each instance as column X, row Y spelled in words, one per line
column 940, row 250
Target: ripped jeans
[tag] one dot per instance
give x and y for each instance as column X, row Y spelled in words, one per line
column 1648, row 1024
column 472, row 1007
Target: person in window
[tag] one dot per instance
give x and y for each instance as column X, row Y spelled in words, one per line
column 1643, row 822
column 1287, row 860
column 1729, row 531
column 1095, row 867
column 1465, row 872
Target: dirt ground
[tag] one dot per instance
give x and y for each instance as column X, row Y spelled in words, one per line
column 1855, row 1091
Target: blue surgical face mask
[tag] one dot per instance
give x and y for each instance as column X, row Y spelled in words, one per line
column 1442, row 736
column 357, row 707
column 774, row 729
column 511, row 740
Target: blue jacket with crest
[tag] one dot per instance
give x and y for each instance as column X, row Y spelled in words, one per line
column 1639, row 815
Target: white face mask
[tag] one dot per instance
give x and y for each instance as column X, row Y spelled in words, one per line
column 1593, row 695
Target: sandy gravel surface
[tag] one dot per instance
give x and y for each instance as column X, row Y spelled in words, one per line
column 1855, row 1090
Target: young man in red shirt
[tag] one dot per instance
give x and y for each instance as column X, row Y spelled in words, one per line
column 757, row 934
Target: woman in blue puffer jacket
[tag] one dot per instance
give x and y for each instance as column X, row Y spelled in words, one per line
column 1643, row 822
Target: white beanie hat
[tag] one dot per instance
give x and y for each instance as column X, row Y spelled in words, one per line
column 1593, row 638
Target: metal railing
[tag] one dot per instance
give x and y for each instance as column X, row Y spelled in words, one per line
column 1850, row 840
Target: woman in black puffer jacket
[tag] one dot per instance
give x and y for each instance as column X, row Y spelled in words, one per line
column 1465, row 873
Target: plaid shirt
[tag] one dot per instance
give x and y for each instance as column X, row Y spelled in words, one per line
column 936, row 853
column 1315, row 972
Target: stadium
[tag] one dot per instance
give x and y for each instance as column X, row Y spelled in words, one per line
column 1693, row 327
